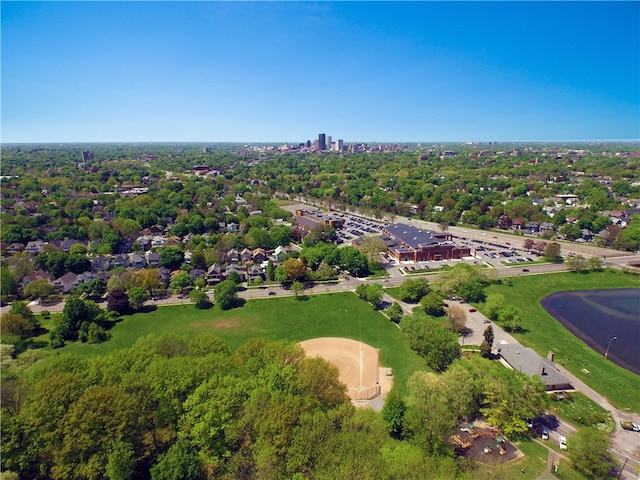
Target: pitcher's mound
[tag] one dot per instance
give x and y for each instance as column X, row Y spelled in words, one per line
column 357, row 363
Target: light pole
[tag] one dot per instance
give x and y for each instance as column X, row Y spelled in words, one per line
column 608, row 345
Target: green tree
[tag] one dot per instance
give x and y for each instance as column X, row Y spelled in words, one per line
column 495, row 302
column 150, row 279
column 589, row 454
column 297, row 287
column 472, row 290
column 199, row 260
column 552, row 252
column 22, row 309
column 510, row 397
column 594, row 263
column 509, row 317
column 137, row 297
column 271, row 273
column 429, row 418
column 180, row 461
column 435, row 343
column 13, row 324
column 8, row 285
column 576, row 263
column 393, row 412
column 413, row 290
column 395, row 312
column 432, row 304
column 354, row 261
column 181, row 281
column 121, row 461
column 226, row 294
column 200, row 299
column 487, row 343
column 171, row 258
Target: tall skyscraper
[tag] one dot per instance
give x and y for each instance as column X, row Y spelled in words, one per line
column 322, row 142
column 328, row 144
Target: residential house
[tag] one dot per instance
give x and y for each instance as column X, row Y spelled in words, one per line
column 254, row 272
column 34, row 247
column 517, row 224
column 157, row 241
column 66, row 283
column 532, row 228
column 172, row 241
column 241, row 271
column 156, row 229
column 280, row 253
column 39, row 275
column 245, row 255
column 259, row 255
column 214, row 274
column 153, row 259
column 197, row 273
column 121, row 260
column 145, row 243
column 15, row 248
column 165, row 275
column 138, row 261
column 547, row 227
column 232, row 255
column 101, row 263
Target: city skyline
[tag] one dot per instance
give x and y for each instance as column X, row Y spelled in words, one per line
column 273, row 72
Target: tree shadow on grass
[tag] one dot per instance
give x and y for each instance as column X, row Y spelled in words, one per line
column 147, row 308
column 302, row 298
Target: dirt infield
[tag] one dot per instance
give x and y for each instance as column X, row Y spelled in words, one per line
column 357, row 362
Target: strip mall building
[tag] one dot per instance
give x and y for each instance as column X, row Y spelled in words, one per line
column 409, row 243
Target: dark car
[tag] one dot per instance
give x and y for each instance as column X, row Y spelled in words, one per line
column 272, row 292
column 525, row 270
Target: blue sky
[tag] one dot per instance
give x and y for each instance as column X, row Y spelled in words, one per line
column 285, row 71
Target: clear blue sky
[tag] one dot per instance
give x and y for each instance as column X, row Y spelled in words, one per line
column 286, row 71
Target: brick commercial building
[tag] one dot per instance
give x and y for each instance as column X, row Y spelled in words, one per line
column 409, row 243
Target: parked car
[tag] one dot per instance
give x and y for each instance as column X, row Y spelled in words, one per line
column 545, row 434
column 562, row 441
column 529, row 422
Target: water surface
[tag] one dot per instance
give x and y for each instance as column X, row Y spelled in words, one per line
column 596, row 316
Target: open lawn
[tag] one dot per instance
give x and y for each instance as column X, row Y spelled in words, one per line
column 582, row 411
column 533, row 463
column 543, row 333
column 286, row 318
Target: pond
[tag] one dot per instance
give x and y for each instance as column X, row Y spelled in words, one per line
column 597, row 316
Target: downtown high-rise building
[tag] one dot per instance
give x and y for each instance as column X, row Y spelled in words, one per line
column 322, row 141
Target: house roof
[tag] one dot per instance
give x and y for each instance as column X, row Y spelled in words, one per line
column 412, row 235
column 528, row 361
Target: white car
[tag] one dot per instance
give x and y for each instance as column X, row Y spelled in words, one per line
column 545, row 434
column 562, row 441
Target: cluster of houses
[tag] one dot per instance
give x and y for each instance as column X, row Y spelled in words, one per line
column 249, row 265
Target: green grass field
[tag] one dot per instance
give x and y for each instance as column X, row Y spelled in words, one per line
column 581, row 411
column 533, row 463
column 543, row 333
column 287, row 318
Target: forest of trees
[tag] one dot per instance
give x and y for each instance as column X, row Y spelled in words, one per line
column 171, row 407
